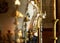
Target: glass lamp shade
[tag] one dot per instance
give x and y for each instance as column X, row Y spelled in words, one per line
column 17, row 2
column 19, row 14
